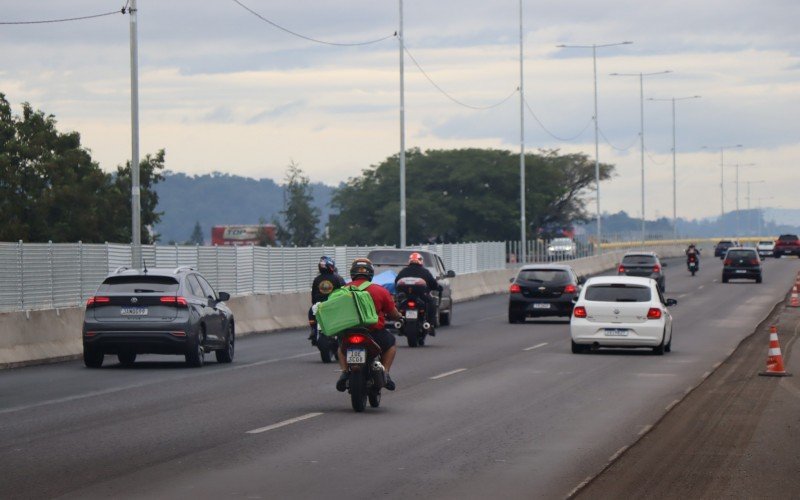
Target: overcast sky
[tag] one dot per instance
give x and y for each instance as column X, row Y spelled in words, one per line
column 222, row 90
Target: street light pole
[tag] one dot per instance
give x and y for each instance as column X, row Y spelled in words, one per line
column 522, row 221
column 136, row 230
column 674, row 163
column 594, row 48
column 722, row 178
column 402, row 134
column 737, row 165
column 641, row 131
column 749, row 218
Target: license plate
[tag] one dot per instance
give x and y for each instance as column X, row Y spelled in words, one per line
column 616, row 332
column 356, row 356
column 541, row 306
column 741, row 271
column 412, row 314
column 133, row 311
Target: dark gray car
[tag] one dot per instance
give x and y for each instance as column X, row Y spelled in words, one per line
column 645, row 265
column 158, row 311
column 397, row 259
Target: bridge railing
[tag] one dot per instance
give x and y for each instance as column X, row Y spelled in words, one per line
column 57, row 275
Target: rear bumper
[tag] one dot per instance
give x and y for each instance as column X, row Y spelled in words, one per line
column 777, row 252
column 647, row 334
column 733, row 274
column 156, row 340
column 534, row 308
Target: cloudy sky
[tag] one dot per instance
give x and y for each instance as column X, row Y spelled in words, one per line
column 222, row 90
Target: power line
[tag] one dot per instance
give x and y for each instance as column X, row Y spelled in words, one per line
column 565, row 139
column 304, row 37
column 653, row 159
column 67, row 19
column 444, row 93
column 615, row 147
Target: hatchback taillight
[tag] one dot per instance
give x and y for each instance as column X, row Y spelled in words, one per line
column 97, row 301
column 570, row 289
column 753, row 262
column 174, row 301
column 621, row 269
column 515, row 288
column 579, row 312
column 654, row 313
column 727, row 262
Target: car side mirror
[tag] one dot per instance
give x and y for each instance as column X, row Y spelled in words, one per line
column 581, row 280
column 664, row 264
column 511, row 280
column 671, row 302
column 575, row 299
column 224, row 296
column 451, row 274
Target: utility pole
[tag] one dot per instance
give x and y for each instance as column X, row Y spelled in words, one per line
column 402, row 133
column 522, row 221
column 136, row 223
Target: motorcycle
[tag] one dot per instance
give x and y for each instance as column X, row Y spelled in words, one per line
column 366, row 376
column 692, row 264
column 328, row 346
column 410, row 297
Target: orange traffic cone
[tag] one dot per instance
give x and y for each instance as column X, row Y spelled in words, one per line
column 794, row 299
column 774, row 357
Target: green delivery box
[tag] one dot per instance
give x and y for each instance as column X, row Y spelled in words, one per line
column 346, row 307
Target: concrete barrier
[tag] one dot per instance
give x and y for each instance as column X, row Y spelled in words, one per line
column 41, row 336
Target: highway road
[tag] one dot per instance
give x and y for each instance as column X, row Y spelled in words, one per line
column 485, row 409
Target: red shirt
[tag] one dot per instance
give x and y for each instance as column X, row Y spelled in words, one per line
column 383, row 300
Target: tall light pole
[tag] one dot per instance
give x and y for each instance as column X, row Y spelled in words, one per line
column 641, row 131
column 402, row 134
column 522, row 222
column 736, row 166
column 594, row 48
column 674, row 167
column 749, row 219
column 722, row 177
column 136, row 230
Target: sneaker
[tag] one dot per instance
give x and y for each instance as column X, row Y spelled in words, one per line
column 313, row 338
column 341, row 384
column 389, row 382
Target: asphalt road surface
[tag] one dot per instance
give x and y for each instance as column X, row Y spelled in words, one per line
column 485, row 409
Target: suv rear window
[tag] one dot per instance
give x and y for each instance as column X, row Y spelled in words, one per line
column 639, row 260
column 787, row 237
column 617, row 292
column 396, row 258
column 545, row 276
column 139, row 284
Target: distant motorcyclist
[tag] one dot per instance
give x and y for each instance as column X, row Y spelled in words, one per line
column 692, row 254
column 327, row 281
column 417, row 269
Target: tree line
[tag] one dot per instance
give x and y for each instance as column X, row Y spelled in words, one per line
column 51, row 189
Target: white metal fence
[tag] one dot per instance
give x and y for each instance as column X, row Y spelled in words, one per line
column 53, row 275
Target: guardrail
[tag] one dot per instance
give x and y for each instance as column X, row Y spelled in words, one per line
column 58, row 275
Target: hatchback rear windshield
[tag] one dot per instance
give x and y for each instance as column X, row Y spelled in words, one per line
column 545, row 276
column 766, row 242
column 139, row 284
column 724, row 243
column 396, row 258
column 741, row 254
column 639, row 260
column 618, row 293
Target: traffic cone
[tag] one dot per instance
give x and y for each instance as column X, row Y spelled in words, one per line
column 774, row 357
column 794, row 299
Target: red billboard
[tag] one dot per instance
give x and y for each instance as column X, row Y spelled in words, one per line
column 248, row 234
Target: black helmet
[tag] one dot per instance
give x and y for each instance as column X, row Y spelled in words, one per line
column 327, row 265
column 362, row 267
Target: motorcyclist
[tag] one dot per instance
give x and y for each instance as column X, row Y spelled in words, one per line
column 361, row 271
column 693, row 253
column 417, row 269
column 327, row 281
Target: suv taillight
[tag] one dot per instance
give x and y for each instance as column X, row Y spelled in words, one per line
column 174, row 301
column 579, row 312
column 654, row 313
column 97, row 301
column 656, row 268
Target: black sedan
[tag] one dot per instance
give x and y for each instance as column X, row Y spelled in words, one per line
column 542, row 290
column 741, row 263
column 159, row 311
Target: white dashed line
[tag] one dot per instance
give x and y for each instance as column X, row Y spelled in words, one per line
column 701, row 287
column 578, row 488
column 618, row 453
column 535, row 347
column 447, row 374
column 705, row 375
column 645, row 429
column 671, row 405
column 284, row 423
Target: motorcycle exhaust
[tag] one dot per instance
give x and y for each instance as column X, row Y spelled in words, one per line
column 426, row 326
column 398, row 325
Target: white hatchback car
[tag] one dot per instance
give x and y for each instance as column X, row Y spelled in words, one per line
column 765, row 248
column 621, row 312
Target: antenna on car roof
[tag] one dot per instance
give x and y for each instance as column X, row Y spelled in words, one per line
column 144, row 265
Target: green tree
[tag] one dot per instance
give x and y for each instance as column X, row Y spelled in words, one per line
column 299, row 217
column 463, row 195
column 197, row 235
column 150, row 174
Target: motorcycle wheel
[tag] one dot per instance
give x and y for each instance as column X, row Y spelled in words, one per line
column 693, row 271
column 324, row 349
column 358, row 391
column 410, row 332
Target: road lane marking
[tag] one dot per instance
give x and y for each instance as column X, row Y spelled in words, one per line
column 284, row 423
column 705, row 375
column 535, row 347
column 618, row 453
column 579, row 487
column 656, row 374
column 447, row 374
column 716, row 365
column 645, row 429
column 275, row 360
column 701, row 287
column 672, row 405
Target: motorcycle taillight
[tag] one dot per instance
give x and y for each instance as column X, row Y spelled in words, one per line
column 412, row 304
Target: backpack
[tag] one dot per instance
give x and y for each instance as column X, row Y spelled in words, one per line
column 347, row 307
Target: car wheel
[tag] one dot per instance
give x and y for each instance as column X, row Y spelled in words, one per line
column 446, row 318
column 92, row 358
column 724, row 279
column 668, row 347
column 663, row 287
column 758, row 280
column 126, row 358
column 577, row 348
column 226, row 355
column 659, row 350
column 195, row 357
column 515, row 318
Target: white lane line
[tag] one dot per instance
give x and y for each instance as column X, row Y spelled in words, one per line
column 705, row 375
column 716, row 365
column 270, row 361
column 645, row 429
column 447, row 374
column 579, row 487
column 284, row 423
column 618, row 453
column 535, row 347
column 671, row 405
column 701, row 287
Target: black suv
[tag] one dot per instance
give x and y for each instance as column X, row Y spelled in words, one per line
column 542, row 290
column 158, row 311
column 722, row 247
column 741, row 263
column 645, row 265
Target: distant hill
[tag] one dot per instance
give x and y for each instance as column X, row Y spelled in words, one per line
column 218, row 198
